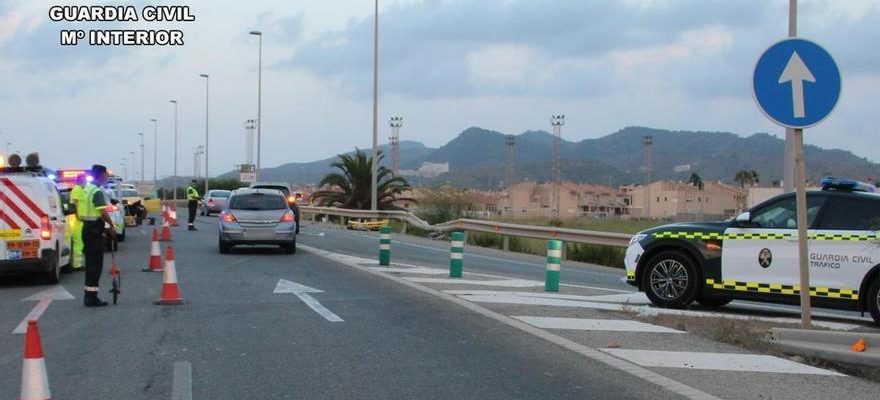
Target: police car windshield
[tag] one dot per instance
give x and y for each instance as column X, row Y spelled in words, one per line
column 257, row 201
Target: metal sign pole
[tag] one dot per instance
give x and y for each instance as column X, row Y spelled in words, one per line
column 803, row 251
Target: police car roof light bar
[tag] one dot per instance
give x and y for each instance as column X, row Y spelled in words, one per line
column 847, row 185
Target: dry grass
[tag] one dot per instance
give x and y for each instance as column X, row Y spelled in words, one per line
column 751, row 335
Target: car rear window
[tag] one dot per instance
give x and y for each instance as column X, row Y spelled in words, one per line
column 284, row 190
column 130, row 193
column 220, row 193
column 257, row 201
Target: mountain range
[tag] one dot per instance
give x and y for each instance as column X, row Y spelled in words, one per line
column 477, row 158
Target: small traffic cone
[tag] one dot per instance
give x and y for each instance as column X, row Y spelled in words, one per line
column 860, row 345
column 34, row 380
column 170, row 290
column 166, row 231
column 155, row 264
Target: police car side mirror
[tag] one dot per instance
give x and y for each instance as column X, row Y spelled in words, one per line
column 744, row 219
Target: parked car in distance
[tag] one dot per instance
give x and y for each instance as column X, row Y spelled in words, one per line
column 256, row 217
column 214, row 201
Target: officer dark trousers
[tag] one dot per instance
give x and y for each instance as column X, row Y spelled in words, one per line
column 93, row 249
column 192, row 205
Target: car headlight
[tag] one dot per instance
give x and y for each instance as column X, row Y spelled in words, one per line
column 637, row 238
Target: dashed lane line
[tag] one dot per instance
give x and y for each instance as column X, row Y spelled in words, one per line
column 614, row 362
column 181, row 385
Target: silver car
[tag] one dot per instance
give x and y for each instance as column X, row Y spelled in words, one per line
column 257, row 216
column 214, row 201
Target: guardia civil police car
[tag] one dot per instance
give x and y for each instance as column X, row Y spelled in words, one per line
column 755, row 255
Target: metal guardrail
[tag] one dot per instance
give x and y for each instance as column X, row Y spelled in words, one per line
column 474, row 225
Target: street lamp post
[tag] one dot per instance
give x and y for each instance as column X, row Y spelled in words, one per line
column 259, row 98
column 557, row 121
column 374, row 201
column 125, row 165
column 207, row 174
column 133, row 166
column 155, row 152
column 141, row 134
column 174, row 178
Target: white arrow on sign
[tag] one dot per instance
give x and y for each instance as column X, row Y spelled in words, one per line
column 43, row 298
column 302, row 291
column 797, row 72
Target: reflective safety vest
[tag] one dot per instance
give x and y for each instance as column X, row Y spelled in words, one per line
column 86, row 209
column 76, row 194
column 192, row 193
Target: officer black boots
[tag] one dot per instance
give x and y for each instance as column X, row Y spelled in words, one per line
column 91, row 300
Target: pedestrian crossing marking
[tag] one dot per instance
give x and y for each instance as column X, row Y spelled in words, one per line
column 717, row 362
column 588, row 324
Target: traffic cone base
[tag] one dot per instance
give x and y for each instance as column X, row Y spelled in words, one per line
column 34, row 380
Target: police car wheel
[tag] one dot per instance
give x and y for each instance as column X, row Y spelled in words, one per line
column 54, row 274
column 874, row 300
column 670, row 280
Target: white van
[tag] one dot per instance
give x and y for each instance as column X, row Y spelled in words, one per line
column 34, row 235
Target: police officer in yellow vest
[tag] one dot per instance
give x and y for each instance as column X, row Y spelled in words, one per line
column 76, row 223
column 192, row 202
column 93, row 214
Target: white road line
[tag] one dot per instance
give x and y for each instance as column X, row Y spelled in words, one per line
column 625, row 366
column 586, row 324
column 43, row 299
column 181, row 385
column 415, row 270
column 555, row 301
column 530, row 294
column 318, row 307
column 516, row 283
column 717, row 361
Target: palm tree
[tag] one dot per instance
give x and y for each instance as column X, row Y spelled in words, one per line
column 350, row 188
column 696, row 180
column 746, row 177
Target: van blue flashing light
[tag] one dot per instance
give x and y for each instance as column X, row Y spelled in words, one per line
column 847, row 185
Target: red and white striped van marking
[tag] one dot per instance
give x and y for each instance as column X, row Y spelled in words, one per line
column 12, row 194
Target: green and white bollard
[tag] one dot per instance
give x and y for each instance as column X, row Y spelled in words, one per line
column 456, row 255
column 385, row 246
column 554, row 259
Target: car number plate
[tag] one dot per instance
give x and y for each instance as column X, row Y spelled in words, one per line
column 23, row 249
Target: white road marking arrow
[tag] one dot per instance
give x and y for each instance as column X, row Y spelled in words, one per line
column 302, row 291
column 43, row 298
column 796, row 72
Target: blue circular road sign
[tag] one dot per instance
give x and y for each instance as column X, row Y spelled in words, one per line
column 796, row 83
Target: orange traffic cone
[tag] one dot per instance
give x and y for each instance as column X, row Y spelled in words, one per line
column 173, row 214
column 166, row 231
column 860, row 345
column 155, row 264
column 34, row 380
column 170, row 289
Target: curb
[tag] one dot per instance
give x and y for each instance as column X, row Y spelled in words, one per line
column 829, row 345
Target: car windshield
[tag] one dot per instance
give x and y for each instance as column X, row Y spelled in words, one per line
column 130, row 193
column 257, row 201
column 220, row 193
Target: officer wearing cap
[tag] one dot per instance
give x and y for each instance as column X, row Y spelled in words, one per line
column 192, row 202
column 91, row 210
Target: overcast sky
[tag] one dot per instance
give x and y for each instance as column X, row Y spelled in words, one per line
column 445, row 65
